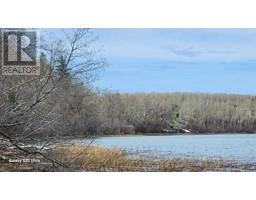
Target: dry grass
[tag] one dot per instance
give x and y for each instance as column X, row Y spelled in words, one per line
column 97, row 159
column 82, row 158
column 104, row 159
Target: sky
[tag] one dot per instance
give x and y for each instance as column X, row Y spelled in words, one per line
column 178, row 60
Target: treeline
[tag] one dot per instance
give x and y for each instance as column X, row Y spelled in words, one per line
column 66, row 106
column 200, row 113
column 87, row 111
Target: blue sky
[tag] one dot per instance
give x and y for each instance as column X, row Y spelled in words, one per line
column 184, row 60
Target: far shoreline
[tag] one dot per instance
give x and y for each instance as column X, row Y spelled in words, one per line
column 81, row 137
column 191, row 134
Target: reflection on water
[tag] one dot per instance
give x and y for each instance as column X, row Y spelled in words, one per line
column 236, row 147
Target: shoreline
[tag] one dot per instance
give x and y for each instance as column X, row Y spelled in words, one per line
column 157, row 134
column 112, row 160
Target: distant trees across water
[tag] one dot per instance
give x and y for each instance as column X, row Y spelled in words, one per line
column 200, row 113
column 87, row 111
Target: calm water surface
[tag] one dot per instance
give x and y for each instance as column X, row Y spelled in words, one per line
column 236, row 147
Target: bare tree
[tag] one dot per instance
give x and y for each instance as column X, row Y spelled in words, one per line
column 31, row 107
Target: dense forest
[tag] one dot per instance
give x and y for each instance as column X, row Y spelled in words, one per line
column 75, row 109
column 116, row 113
column 200, row 113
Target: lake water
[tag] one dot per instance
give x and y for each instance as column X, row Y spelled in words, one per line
column 235, row 147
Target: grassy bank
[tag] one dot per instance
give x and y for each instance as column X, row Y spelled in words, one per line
column 82, row 158
column 104, row 159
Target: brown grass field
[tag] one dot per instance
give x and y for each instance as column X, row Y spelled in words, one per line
column 78, row 158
